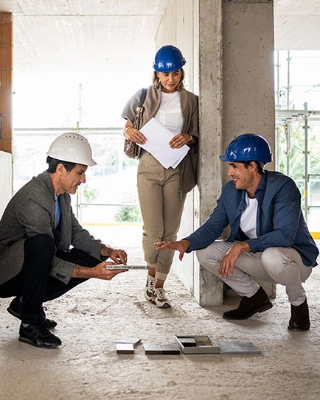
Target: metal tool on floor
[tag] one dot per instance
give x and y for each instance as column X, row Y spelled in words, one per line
column 189, row 344
column 126, row 345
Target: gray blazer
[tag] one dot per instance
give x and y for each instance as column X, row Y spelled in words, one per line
column 31, row 212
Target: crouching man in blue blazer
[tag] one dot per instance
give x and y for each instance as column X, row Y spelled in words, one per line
column 269, row 239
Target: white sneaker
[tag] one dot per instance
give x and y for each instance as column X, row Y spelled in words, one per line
column 160, row 298
column 148, row 290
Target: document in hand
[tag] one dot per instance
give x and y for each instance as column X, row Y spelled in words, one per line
column 157, row 144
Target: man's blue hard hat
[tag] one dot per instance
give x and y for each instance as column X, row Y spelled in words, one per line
column 168, row 58
column 248, row 147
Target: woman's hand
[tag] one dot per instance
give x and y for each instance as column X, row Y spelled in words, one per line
column 133, row 134
column 180, row 140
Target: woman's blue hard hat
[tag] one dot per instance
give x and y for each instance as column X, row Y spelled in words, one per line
column 168, row 58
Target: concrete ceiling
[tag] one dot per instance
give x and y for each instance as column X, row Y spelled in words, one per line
column 297, row 24
column 111, row 35
column 83, row 35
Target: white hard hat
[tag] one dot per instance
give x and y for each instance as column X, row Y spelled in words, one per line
column 72, row 147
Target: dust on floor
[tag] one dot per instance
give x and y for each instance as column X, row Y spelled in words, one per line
column 95, row 315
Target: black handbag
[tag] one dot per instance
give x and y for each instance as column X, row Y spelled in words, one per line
column 131, row 149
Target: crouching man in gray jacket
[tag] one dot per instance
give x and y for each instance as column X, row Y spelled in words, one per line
column 269, row 239
column 44, row 251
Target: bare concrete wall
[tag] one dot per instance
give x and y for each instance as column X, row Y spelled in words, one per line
column 210, row 110
column 6, row 179
column 248, row 70
column 180, row 27
column 228, row 45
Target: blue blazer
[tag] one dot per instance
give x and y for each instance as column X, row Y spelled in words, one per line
column 280, row 222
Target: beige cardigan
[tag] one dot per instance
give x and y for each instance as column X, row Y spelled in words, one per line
column 188, row 167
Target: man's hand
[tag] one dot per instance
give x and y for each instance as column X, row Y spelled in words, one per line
column 228, row 261
column 100, row 271
column 107, row 274
column 180, row 245
column 117, row 255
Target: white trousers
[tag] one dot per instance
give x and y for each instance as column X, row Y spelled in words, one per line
column 282, row 265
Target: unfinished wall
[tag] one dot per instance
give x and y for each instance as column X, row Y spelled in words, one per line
column 236, row 96
column 6, row 70
column 180, row 27
column 228, row 45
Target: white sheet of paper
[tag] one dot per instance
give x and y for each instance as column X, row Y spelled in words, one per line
column 157, row 144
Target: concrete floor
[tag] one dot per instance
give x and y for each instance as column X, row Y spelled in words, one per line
column 97, row 314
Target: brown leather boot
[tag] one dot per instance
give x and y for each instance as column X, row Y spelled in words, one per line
column 248, row 306
column 299, row 320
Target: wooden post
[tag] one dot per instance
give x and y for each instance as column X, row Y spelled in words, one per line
column 6, row 71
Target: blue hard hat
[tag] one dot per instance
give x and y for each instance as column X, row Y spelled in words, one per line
column 168, row 58
column 248, row 147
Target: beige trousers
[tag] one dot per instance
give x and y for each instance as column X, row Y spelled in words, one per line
column 161, row 210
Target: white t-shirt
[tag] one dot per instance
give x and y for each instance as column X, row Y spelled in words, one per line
column 169, row 113
column 248, row 221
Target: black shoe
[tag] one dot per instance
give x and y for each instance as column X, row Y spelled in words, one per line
column 15, row 310
column 299, row 320
column 248, row 306
column 38, row 335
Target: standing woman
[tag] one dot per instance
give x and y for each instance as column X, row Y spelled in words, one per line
column 162, row 191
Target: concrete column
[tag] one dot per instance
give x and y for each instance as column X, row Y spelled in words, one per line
column 236, row 96
column 6, row 62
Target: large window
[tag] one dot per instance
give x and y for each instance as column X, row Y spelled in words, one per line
column 298, row 126
column 47, row 105
column 107, row 204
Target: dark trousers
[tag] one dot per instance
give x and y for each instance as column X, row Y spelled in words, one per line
column 34, row 283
